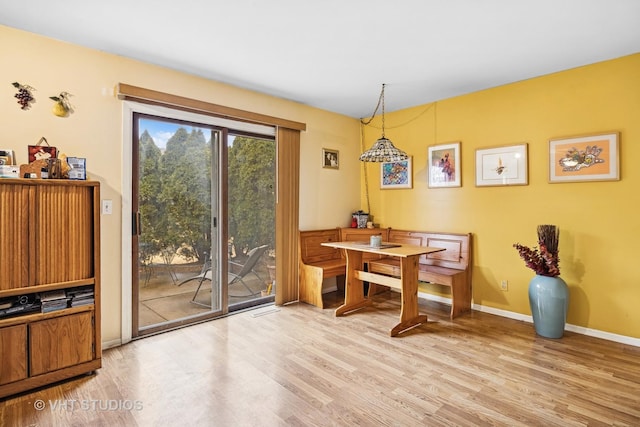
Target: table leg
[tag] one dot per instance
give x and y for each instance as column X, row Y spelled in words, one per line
column 409, row 315
column 353, row 288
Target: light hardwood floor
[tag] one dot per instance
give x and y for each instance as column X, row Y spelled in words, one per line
column 299, row 365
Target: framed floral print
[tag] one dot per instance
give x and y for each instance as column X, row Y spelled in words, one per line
column 506, row 165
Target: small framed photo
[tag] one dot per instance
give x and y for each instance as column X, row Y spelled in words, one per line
column 330, row 158
column 7, row 157
column 444, row 165
column 39, row 152
column 396, row 174
column 78, row 167
column 584, row 158
column 506, row 165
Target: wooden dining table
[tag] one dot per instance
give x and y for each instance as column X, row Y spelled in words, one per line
column 407, row 283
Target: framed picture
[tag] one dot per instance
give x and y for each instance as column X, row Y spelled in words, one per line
column 506, row 165
column 38, row 152
column 584, row 158
column 7, row 157
column 330, row 158
column 396, row 174
column 444, row 165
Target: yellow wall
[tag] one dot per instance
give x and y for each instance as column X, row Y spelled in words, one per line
column 598, row 221
column 598, row 245
column 95, row 131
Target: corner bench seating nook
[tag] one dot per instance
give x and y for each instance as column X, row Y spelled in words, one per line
column 448, row 268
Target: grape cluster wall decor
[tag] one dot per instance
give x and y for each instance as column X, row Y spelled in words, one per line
column 24, row 95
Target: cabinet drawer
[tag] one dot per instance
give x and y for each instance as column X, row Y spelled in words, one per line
column 61, row 342
column 13, row 353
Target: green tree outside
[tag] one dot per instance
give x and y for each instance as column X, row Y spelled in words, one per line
column 175, row 194
column 252, row 192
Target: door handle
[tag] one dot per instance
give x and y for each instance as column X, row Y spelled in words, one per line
column 136, row 226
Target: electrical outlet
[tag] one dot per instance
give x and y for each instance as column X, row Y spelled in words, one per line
column 504, row 285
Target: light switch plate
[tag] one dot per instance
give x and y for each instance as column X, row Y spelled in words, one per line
column 107, row 207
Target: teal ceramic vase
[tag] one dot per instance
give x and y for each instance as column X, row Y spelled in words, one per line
column 549, row 301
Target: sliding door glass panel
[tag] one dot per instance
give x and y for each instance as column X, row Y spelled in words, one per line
column 175, row 209
column 251, row 221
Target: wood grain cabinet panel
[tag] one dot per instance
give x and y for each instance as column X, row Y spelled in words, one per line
column 14, row 245
column 62, row 224
column 13, row 354
column 60, row 342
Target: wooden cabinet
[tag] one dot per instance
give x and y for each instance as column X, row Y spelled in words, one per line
column 49, row 241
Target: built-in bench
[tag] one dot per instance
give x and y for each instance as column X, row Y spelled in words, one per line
column 317, row 262
column 448, row 268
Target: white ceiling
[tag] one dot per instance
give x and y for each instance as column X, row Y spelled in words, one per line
column 335, row 54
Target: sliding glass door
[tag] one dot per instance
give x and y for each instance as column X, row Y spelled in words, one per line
column 203, row 221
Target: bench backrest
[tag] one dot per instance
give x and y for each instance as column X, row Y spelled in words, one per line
column 457, row 254
column 311, row 249
column 364, row 235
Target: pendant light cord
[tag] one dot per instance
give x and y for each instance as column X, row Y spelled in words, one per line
column 364, row 167
column 364, row 123
column 373, row 115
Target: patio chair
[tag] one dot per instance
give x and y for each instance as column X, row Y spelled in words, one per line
column 248, row 267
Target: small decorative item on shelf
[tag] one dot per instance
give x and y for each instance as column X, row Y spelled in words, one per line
column 54, row 168
column 64, row 166
column 62, row 106
column 9, row 171
column 361, row 219
column 7, row 157
column 548, row 293
column 34, row 167
column 41, row 152
column 77, row 168
column 24, row 95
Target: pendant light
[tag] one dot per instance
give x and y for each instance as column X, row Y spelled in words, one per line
column 383, row 149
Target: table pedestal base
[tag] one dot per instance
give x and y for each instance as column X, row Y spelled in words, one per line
column 346, row 308
column 407, row 324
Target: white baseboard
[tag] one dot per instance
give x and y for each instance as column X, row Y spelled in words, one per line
column 327, row 289
column 110, row 344
column 622, row 339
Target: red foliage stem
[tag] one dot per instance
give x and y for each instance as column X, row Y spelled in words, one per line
column 541, row 261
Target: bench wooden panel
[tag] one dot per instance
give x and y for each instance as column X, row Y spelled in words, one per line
column 448, row 268
column 317, row 262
